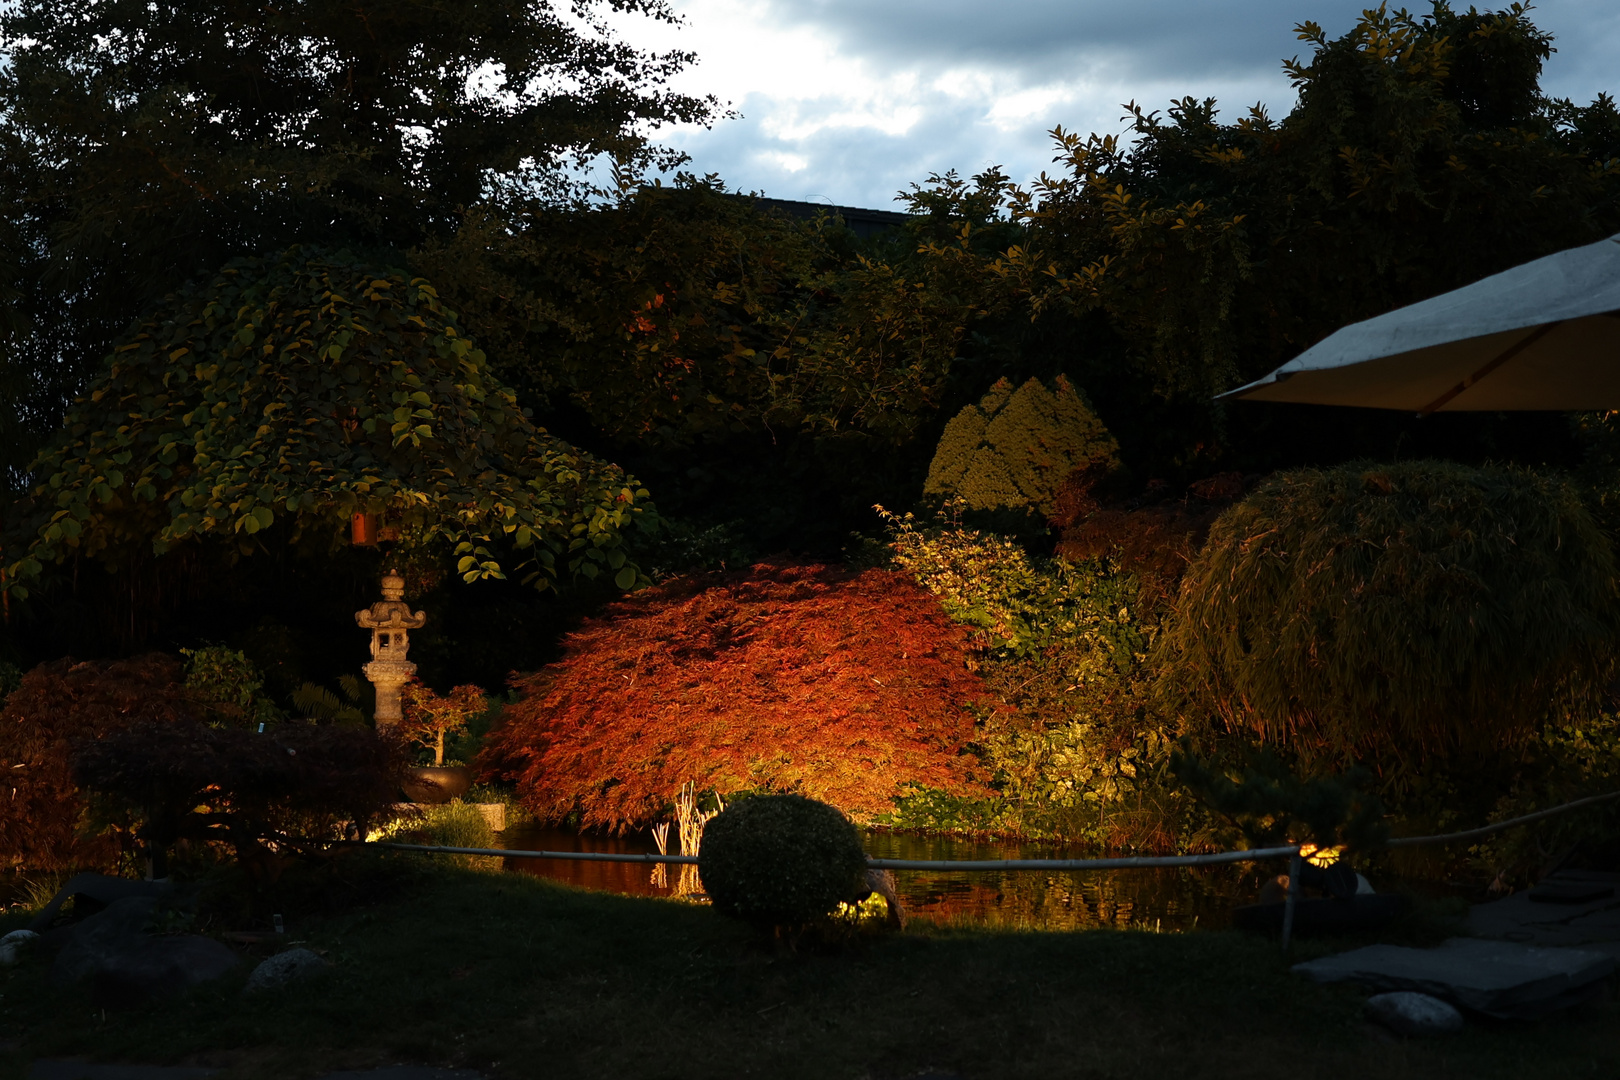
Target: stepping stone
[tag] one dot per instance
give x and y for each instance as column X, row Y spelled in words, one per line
column 1555, row 913
column 1497, row 978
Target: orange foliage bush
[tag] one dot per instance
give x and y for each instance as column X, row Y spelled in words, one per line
column 840, row 686
column 57, row 705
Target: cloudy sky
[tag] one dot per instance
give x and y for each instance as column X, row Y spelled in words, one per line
column 848, row 101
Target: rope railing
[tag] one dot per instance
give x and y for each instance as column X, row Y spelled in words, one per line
column 1132, row 862
column 1289, row 851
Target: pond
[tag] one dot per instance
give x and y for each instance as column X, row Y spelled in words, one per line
column 1166, row 900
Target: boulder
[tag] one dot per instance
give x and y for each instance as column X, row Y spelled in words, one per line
column 100, row 890
column 128, row 967
column 14, row 945
column 1406, row 1012
column 283, row 968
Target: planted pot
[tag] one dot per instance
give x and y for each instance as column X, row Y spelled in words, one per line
column 436, row 783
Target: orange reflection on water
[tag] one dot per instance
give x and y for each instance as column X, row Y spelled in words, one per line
column 1159, row 899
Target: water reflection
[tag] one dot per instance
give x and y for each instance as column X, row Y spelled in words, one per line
column 1167, row 900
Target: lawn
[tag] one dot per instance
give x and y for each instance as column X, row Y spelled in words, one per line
column 525, row 978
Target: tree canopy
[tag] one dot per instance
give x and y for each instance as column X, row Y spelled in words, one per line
column 305, row 390
column 1419, row 156
column 146, row 144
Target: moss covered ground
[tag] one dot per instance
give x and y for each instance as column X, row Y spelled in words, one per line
column 520, row 977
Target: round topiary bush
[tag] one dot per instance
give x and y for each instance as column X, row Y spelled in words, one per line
column 781, row 860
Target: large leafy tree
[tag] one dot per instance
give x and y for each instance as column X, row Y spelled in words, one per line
column 288, row 396
column 749, row 365
column 684, row 313
column 1421, row 155
column 147, row 144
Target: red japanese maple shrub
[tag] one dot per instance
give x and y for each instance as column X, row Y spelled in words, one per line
column 844, row 687
column 58, row 705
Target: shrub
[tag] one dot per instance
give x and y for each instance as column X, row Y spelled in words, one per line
column 293, row 787
column 781, row 861
column 1076, row 755
column 1016, row 448
column 845, row 687
column 228, row 685
column 1394, row 610
column 1019, row 605
column 54, row 706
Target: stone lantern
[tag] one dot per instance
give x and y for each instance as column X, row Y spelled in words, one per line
column 390, row 620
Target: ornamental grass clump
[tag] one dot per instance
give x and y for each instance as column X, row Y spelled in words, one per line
column 782, row 862
column 1392, row 612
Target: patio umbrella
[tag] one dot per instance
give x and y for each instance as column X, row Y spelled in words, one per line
column 1545, row 335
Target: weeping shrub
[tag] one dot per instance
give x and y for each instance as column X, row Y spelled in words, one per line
column 1394, row 611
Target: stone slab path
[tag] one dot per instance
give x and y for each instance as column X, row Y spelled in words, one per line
column 1592, row 925
column 1498, row 978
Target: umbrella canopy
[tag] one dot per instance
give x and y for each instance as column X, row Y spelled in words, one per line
column 1545, row 335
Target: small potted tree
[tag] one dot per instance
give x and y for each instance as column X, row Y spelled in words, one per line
column 427, row 720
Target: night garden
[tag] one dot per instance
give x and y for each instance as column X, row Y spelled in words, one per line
column 379, row 478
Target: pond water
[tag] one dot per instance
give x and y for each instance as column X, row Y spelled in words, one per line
column 1167, row 900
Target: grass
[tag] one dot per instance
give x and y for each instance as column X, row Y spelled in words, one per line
column 524, row 978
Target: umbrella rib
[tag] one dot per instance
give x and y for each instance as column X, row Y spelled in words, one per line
column 1507, row 354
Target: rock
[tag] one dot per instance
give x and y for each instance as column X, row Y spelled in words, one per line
column 1496, row 978
column 1407, row 1013
column 1364, row 887
column 128, row 967
column 283, row 968
column 98, row 888
column 14, row 945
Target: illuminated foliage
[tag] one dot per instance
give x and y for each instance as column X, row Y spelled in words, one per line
column 1016, row 448
column 306, row 390
column 428, row 718
column 144, row 145
column 839, row 686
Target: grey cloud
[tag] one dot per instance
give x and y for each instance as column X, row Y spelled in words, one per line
column 1041, row 39
column 1150, row 51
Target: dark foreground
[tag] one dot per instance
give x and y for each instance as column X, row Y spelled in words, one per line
column 519, row 977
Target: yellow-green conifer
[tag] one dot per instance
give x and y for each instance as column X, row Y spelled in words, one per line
column 1015, row 448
